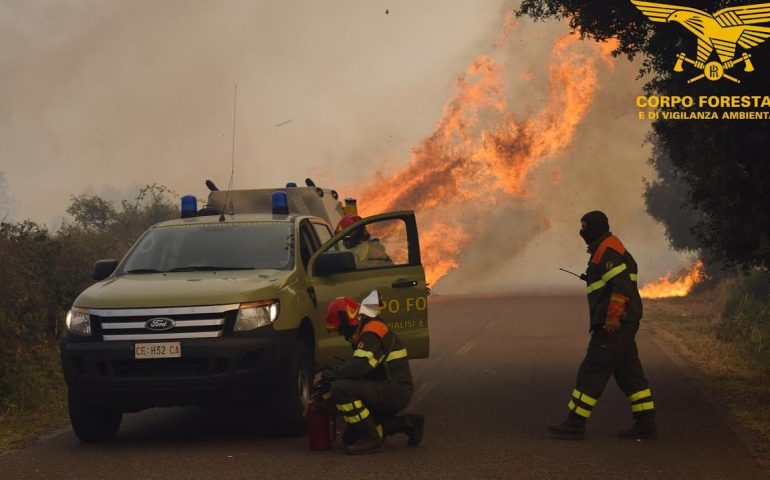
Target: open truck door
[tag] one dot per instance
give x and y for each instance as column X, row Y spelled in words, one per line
column 382, row 252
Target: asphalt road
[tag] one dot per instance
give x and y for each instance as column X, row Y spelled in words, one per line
column 501, row 369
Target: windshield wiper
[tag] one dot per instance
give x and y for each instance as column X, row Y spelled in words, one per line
column 206, row 268
column 143, row 270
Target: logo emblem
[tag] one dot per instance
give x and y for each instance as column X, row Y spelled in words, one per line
column 721, row 31
column 159, row 324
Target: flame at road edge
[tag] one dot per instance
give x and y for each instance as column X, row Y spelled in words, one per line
column 681, row 286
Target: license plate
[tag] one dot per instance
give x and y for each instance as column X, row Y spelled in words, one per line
column 157, row 350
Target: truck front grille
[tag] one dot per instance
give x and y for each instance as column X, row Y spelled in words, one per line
column 184, row 322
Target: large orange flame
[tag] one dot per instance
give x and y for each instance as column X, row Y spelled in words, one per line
column 680, row 286
column 481, row 151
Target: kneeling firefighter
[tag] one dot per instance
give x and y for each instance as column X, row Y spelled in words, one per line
column 375, row 384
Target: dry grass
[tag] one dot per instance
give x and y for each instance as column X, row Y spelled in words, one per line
column 731, row 374
column 20, row 429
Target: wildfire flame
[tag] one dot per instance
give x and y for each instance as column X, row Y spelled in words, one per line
column 665, row 287
column 483, row 152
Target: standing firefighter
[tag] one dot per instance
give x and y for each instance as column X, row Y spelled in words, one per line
column 615, row 309
column 376, row 383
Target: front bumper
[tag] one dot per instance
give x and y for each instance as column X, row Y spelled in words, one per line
column 210, row 371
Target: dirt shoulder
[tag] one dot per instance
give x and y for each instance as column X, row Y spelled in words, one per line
column 731, row 376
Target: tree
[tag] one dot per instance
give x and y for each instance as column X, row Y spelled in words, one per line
column 152, row 204
column 666, row 201
column 91, row 211
column 720, row 166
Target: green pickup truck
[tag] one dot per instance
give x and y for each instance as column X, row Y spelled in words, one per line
column 225, row 306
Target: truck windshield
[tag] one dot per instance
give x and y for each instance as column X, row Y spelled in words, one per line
column 221, row 246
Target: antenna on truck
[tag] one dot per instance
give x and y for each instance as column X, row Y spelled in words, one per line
column 232, row 159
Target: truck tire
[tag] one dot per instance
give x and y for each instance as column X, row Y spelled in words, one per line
column 291, row 398
column 92, row 423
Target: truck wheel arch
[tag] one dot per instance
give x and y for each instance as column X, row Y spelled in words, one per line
column 306, row 334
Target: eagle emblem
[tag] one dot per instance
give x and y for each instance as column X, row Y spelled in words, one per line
column 719, row 32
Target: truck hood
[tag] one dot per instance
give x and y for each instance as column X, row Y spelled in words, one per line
column 178, row 289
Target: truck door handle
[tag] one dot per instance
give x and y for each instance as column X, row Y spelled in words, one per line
column 403, row 283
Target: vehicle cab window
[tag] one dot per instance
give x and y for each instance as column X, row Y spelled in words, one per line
column 378, row 244
column 323, row 232
column 308, row 242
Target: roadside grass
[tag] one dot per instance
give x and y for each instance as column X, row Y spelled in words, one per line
column 735, row 375
column 32, row 400
column 19, row 429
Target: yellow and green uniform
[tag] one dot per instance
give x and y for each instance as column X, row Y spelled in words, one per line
column 376, row 383
column 612, row 290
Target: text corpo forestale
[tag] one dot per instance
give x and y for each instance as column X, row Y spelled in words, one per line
column 703, row 101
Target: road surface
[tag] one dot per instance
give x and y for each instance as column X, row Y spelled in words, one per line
column 501, row 369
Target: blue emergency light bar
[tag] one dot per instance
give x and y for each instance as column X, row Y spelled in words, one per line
column 291, row 185
column 189, row 206
column 280, row 203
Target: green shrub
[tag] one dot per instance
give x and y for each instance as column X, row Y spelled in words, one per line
column 746, row 315
column 41, row 273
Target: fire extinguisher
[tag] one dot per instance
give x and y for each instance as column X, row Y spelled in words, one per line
column 321, row 427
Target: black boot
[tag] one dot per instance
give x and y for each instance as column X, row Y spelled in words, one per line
column 410, row 424
column 573, row 428
column 367, row 441
column 644, row 428
column 414, row 427
column 350, row 435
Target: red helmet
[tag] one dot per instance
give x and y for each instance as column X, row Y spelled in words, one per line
column 356, row 236
column 341, row 309
column 346, row 221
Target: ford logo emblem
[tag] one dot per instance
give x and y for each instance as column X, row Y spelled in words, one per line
column 159, row 324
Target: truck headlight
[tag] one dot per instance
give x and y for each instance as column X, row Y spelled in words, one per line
column 79, row 321
column 256, row 314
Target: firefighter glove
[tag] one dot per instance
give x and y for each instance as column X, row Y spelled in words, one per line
column 615, row 310
column 324, row 376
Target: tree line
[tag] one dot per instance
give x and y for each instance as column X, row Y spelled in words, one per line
column 43, row 270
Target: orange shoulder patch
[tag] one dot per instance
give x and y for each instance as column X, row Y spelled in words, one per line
column 612, row 242
column 376, row 327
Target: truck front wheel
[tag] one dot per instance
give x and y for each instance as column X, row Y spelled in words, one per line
column 291, row 398
column 90, row 422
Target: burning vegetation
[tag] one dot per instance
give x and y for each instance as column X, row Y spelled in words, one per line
column 679, row 286
column 480, row 151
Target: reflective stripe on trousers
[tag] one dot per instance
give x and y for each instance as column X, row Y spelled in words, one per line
column 641, row 401
column 581, row 403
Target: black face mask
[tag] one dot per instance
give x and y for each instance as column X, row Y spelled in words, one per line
column 346, row 330
column 355, row 237
column 595, row 225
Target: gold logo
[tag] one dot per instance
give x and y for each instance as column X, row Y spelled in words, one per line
column 721, row 31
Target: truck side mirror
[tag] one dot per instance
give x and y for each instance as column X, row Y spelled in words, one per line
column 329, row 263
column 104, row 268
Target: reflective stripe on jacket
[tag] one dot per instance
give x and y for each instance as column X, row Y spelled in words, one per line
column 379, row 355
column 611, row 270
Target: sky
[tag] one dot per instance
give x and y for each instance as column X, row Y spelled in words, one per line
column 104, row 97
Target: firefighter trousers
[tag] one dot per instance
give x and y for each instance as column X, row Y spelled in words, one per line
column 612, row 355
column 364, row 404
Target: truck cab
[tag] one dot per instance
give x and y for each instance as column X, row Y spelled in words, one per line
column 225, row 306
